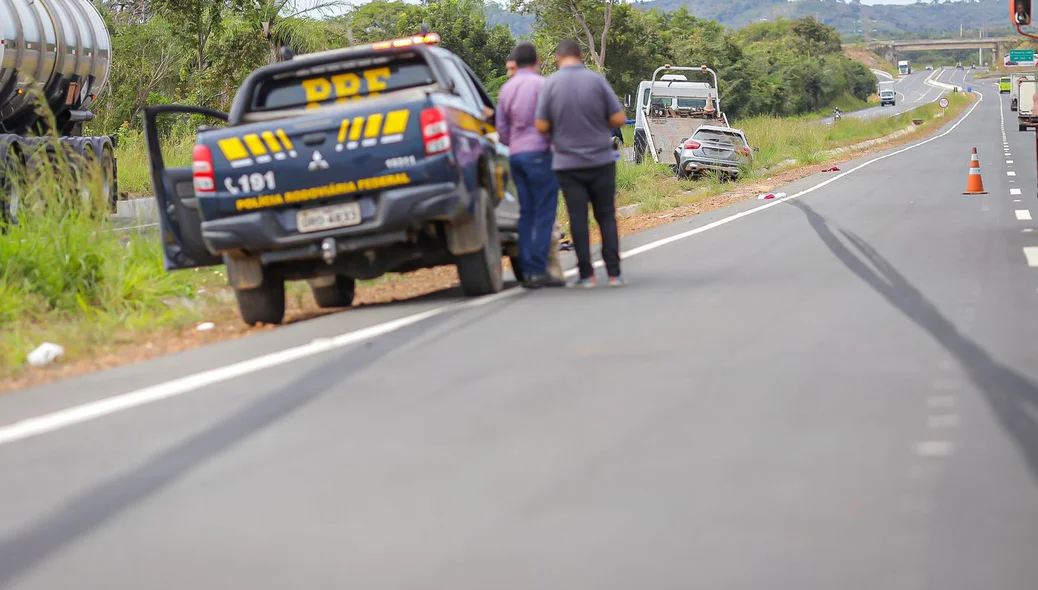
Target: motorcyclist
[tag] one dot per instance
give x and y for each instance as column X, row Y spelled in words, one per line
column 837, row 114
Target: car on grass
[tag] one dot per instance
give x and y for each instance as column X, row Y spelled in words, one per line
column 713, row 148
column 341, row 166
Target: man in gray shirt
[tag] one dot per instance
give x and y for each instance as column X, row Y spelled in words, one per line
column 579, row 110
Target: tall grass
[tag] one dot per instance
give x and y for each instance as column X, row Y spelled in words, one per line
column 68, row 276
column 132, row 154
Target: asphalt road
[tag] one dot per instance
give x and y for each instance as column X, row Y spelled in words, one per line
column 912, row 92
column 835, row 391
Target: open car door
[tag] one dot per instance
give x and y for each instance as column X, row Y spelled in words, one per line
column 180, row 222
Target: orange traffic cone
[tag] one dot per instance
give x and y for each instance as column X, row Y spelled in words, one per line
column 975, row 184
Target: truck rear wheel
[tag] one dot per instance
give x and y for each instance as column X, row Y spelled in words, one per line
column 1023, row 127
column 12, row 169
column 264, row 304
column 338, row 294
column 480, row 271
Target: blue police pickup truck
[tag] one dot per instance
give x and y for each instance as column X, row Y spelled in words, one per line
column 340, row 166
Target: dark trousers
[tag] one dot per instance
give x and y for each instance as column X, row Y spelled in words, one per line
column 538, row 203
column 597, row 187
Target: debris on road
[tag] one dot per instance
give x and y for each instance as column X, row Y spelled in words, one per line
column 833, row 169
column 45, row 354
column 771, row 196
column 205, row 326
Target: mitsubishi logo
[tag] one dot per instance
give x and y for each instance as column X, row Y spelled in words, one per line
column 318, row 162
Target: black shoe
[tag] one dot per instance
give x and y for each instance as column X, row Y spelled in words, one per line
column 552, row 282
column 532, row 283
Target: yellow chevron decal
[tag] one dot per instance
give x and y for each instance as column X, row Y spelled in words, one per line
column 374, row 128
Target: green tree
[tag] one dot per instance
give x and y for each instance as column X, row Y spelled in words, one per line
column 588, row 21
column 197, row 22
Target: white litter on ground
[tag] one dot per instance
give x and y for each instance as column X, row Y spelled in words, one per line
column 45, row 354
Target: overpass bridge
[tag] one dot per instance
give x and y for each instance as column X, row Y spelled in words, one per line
column 891, row 50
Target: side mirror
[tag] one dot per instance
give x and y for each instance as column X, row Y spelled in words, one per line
column 756, row 149
column 1020, row 11
column 627, row 101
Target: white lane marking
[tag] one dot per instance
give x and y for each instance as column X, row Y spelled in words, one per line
column 776, row 202
column 934, row 448
column 1011, row 173
column 1016, row 200
column 940, row 401
column 1009, row 161
column 943, row 421
column 1023, row 215
column 120, row 402
column 1014, row 191
column 1031, row 253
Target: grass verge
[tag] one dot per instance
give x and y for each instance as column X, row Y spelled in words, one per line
column 69, row 278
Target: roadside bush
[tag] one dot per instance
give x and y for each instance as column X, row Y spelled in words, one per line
column 66, row 268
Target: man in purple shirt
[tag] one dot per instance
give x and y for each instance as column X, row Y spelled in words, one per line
column 530, row 158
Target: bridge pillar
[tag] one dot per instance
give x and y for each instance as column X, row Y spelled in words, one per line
column 888, row 52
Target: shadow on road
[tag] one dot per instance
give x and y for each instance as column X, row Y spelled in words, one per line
column 23, row 551
column 1007, row 391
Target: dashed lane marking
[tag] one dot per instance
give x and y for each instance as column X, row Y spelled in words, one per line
column 1031, row 253
column 1023, row 215
column 934, row 448
column 1014, row 191
column 1010, row 173
column 943, row 421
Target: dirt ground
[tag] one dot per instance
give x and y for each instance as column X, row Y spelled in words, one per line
column 220, row 309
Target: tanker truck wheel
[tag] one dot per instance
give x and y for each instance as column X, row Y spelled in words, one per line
column 109, row 193
column 106, row 163
column 12, row 169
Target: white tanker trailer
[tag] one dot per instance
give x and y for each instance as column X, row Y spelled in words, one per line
column 58, row 52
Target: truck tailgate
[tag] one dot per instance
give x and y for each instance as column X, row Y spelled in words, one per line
column 338, row 152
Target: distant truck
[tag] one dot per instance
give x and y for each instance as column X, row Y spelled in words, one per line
column 1025, row 104
column 1014, row 88
column 887, row 95
column 670, row 108
column 904, row 67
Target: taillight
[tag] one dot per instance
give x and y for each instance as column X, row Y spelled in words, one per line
column 692, row 145
column 202, row 170
column 436, row 132
column 742, row 151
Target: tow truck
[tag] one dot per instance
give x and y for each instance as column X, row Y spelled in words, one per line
column 670, row 109
column 340, row 166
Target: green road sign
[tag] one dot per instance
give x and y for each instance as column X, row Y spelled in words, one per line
column 1019, row 55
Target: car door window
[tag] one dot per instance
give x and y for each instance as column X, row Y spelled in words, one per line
column 461, row 84
column 481, row 93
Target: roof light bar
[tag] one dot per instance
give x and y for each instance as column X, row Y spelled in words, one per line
column 427, row 39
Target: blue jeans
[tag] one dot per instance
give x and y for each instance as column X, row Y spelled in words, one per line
column 538, row 203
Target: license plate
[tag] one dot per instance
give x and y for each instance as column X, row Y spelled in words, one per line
column 331, row 217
